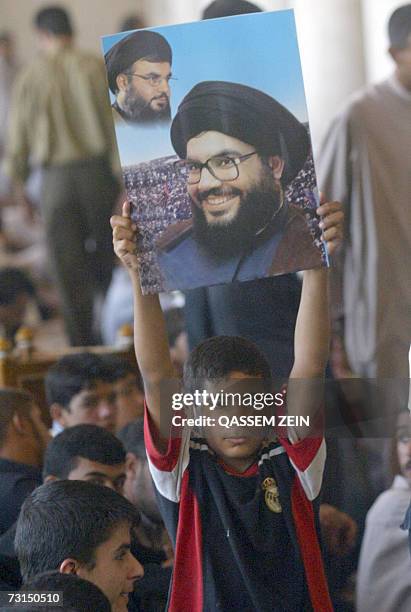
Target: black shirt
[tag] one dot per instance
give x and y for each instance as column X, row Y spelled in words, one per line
column 17, row 481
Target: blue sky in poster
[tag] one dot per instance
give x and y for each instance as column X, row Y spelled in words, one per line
column 259, row 50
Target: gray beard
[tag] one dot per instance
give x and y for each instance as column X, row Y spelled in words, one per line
column 257, row 210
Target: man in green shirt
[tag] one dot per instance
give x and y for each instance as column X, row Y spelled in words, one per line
column 60, row 120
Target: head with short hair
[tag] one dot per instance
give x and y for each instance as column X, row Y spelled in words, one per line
column 399, row 30
column 79, row 528
column 78, row 594
column 139, row 70
column 227, row 8
column 131, row 22
column 231, row 365
column 79, row 389
column 54, row 20
column 240, row 148
column 16, row 289
column 138, row 487
column 21, row 427
column 86, row 452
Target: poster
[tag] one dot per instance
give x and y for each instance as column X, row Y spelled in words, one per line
column 212, row 131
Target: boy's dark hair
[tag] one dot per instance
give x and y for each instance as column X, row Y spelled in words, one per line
column 175, row 324
column 215, row 358
column 72, row 374
column 67, row 519
column 54, row 20
column 14, row 282
column 227, row 8
column 399, row 27
column 120, row 368
column 132, row 437
column 87, row 441
column 12, row 401
column 77, row 594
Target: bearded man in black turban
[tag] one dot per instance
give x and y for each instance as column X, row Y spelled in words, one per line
column 139, row 71
column 239, row 149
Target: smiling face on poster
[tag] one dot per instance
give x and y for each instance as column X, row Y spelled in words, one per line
column 211, row 125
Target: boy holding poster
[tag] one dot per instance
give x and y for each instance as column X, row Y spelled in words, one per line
column 240, row 503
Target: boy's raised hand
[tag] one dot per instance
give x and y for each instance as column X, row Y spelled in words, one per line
column 332, row 224
column 124, row 237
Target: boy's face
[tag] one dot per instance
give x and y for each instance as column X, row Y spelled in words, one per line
column 115, row 569
column 237, row 446
column 403, row 436
column 95, row 405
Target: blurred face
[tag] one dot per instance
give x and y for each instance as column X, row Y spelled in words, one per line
column 404, row 445
column 139, row 488
column 116, row 569
column 236, row 446
column 111, row 476
column 230, row 212
column 129, row 401
column 95, row 406
column 145, row 94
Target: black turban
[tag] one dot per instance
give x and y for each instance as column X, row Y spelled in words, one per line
column 244, row 113
column 135, row 46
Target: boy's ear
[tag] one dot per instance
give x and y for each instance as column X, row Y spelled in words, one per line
column 50, row 478
column 57, row 414
column 277, row 166
column 69, row 566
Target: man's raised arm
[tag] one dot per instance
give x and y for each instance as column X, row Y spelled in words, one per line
column 150, row 336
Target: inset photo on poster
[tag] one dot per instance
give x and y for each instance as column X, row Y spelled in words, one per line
column 212, row 130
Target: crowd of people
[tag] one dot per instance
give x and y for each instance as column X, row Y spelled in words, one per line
column 112, row 503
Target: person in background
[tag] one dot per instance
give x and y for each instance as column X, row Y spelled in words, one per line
column 80, row 528
column 384, row 570
column 364, row 163
column 128, row 388
column 177, row 337
column 23, row 440
column 152, row 546
column 60, row 121
column 16, row 292
column 132, row 22
column 79, row 389
column 228, row 8
column 7, row 73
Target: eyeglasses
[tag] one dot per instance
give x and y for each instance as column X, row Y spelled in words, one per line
column 221, row 167
column 154, row 80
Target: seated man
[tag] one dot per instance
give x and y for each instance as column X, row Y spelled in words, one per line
column 128, row 389
column 384, row 571
column 23, row 439
column 79, row 389
column 82, row 452
column 80, row 528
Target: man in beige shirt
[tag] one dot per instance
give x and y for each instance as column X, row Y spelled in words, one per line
column 60, row 120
